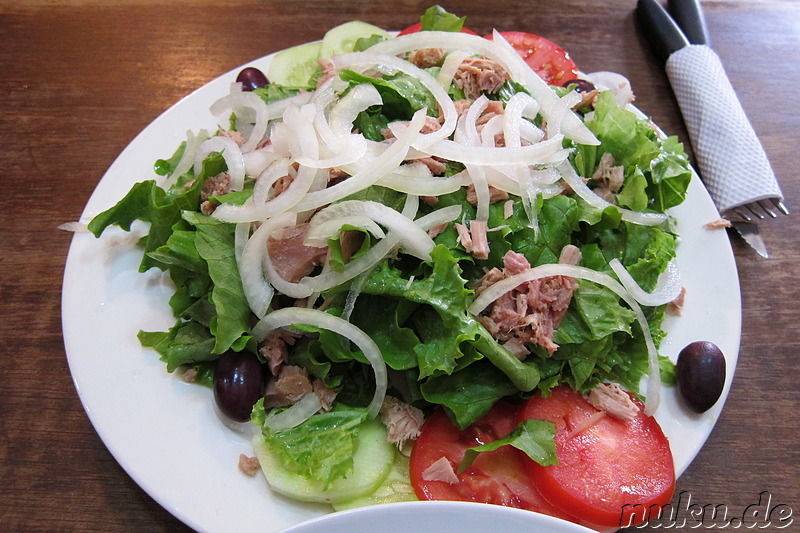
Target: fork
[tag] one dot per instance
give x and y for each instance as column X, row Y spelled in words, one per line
column 760, row 209
column 731, row 160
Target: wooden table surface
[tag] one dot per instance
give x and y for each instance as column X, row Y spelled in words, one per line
column 78, row 80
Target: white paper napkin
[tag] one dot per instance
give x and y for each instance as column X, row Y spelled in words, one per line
column 730, row 157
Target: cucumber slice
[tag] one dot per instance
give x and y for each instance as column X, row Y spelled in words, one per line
column 396, row 487
column 371, row 464
column 296, row 66
column 342, row 39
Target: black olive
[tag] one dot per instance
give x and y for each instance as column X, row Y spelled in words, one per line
column 238, row 384
column 251, row 78
column 701, row 375
column 584, row 86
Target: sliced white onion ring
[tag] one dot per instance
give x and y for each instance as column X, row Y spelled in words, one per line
column 266, row 179
column 257, row 161
column 349, row 150
column 329, row 279
column 669, row 284
column 186, row 161
column 450, row 66
column 251, row 212
column 345, row 111
column 321, row 232
column 520, row 105
column 385, row 163
column 495, row 291
column 237, row 100
column 257, row 288
column 446, row 105
column 440, row 216
column 616, row 83
column 545, row 153
column 294, row 415
column 240, row 236
column 230, row 153
column 492, row 128
column 414, row 240
column 290, row 316
column 576, row 182
column 419, row 186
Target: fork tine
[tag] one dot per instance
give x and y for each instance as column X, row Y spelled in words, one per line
column 780, row 205
column 743, row 214
column 755, row 211
column 767, row 209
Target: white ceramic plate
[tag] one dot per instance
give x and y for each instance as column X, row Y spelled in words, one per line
column 164, row 432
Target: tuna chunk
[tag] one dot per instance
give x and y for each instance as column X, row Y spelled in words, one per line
column 214, row 186
column 474, row 239
column 288, row 387
column 610, row 397
column 441, row 470
column 249, row 466
column 608, row 177
column 427, row 57
column 403, row 421
column 275, row 348
column 530, row 313
column 477, row 75
column 292, row 259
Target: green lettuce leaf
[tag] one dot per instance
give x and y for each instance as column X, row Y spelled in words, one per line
column 534, row 437
column 148, row 202
column 436, row 18
column 635, row 145
column 215, row 244
column 444, row 290
column 467, row 395
column 322, row 447
column 184, row 343
column 274, row 92
column 402, row 96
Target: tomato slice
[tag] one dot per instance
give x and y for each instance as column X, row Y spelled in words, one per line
column 414, row 28
column 551, row 62
column 497, row 477
column 609, row 471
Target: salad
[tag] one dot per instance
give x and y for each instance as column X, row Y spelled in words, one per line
column 408, row 260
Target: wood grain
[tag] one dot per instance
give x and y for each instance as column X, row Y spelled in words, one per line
column 81, row 79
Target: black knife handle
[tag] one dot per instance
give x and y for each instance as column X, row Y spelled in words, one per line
column 689, row 16
column 661, row 30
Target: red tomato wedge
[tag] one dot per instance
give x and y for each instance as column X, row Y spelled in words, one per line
column 610, row 472
column 497, row 477
column 551, row 62
column 414, row 28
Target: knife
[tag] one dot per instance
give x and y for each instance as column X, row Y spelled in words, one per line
column 688, row 14
column 730, row 158
column 750, row 234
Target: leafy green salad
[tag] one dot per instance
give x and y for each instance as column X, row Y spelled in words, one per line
column 418, row 222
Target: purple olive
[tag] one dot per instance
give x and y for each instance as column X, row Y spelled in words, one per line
column 251, row 78
column 584, row 86
column 701, row 375
column 238, row 384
